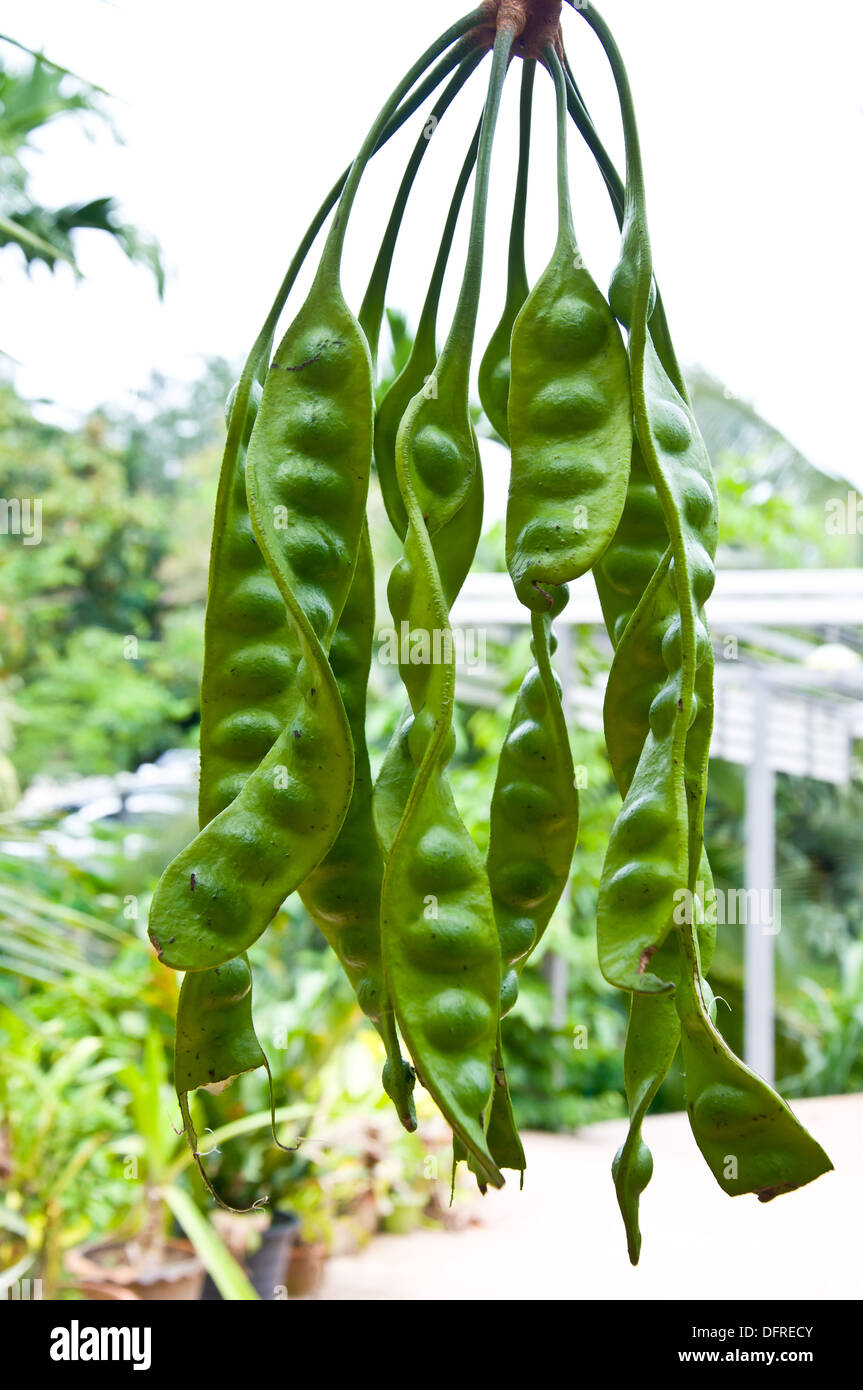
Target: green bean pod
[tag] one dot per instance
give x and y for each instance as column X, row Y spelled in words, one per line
column 440, row 944
column 494, row 369
column 747, row 1134
column 533, row 828
column 343, row 894
column 455, row 544
column 653, row 1032
column 570, row 421
column 655, row 846
column 418, row 371
column 231, row 732
column 215, row 1042
column 658, row 831
column 623, row 573
column 575, row 460
column 240, row 719
column 307, row 475
column 533, row 822
column 215, row 1035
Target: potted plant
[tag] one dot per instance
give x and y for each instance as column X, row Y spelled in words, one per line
column 145, row 1258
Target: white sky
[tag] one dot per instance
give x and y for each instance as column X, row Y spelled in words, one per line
column 237, row 117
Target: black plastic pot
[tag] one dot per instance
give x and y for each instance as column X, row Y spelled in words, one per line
column 268, row 1266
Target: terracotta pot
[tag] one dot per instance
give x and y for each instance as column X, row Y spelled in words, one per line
column 306, row 1269
column 117, row 1269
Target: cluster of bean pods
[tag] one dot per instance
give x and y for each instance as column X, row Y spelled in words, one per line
column 609, row 474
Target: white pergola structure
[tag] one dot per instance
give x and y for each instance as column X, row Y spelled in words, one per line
column 797, row 710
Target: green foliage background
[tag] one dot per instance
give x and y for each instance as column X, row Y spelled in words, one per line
column 100, row 655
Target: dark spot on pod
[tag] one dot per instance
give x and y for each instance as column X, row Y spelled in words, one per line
column 319, row 357
column 310, row 743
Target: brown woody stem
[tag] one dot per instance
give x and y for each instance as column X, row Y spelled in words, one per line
column 535, row 24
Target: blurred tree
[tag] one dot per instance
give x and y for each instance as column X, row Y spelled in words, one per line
column 30, row 98
column 771, row 498
column 101, row 622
